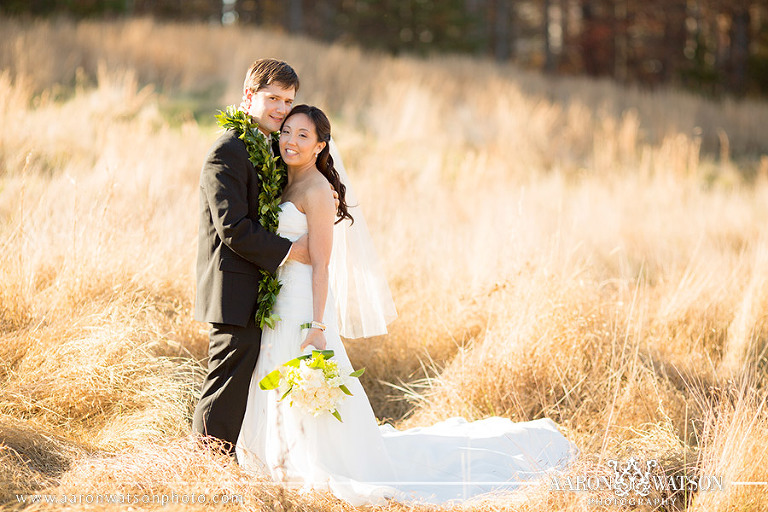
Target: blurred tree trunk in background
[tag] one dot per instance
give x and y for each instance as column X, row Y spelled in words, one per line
column 502, row 29
column 327, row 18
column 674, row 39
column 548, row 28
column 621, row 43
column 598, row 37
column 739, row 48
column 296, row 16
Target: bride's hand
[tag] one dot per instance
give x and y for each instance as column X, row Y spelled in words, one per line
column 316, row 338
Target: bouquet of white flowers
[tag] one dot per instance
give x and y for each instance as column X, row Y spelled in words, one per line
column 311, row 382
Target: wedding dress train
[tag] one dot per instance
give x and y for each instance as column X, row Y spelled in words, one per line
column 358, row 460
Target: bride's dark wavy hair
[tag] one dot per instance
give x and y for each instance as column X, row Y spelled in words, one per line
column 324, row 159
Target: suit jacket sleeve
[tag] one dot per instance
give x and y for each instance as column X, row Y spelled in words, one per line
column 225, row 183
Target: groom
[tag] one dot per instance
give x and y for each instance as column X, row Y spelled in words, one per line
column 231, row 248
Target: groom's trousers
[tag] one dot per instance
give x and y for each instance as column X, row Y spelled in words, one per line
column 232, row 351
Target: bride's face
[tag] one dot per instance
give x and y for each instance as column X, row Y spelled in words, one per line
column 269, row 105
column 298, row 141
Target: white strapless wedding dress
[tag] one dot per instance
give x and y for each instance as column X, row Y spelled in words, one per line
column 360, row 461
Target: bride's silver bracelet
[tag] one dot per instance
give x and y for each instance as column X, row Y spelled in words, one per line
column 314, row 325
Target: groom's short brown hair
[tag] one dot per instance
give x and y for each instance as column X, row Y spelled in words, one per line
column 264, row 72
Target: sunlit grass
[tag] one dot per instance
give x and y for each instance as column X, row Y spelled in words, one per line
column 566, row 249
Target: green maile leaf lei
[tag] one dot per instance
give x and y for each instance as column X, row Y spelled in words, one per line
column 273, row 176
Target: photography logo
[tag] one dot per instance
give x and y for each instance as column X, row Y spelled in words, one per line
column 630, row 478
column 635, row 482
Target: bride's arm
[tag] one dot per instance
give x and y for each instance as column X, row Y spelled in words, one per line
column 321, row 213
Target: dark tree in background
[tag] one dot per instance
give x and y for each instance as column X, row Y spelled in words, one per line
column 739, row 39
column 597, row 37
column 713, row 46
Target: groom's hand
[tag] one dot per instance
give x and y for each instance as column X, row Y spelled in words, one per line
column 300, row 251
column 335, row 198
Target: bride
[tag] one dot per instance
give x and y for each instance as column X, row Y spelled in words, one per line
column 343, row 293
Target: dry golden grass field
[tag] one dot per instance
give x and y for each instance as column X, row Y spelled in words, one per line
column 556, row 247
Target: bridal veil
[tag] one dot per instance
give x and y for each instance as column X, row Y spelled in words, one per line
column 364, row 303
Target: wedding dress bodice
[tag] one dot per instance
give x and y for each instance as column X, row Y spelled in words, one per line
column 294, row 302
column 292, row 223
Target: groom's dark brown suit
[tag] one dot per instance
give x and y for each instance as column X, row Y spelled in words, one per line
column 232, row 247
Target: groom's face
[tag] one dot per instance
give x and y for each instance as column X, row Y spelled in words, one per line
column 269, row 105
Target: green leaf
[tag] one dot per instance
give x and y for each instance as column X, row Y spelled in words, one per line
column 336, row 415
column 357, row 373
column 345, row 389
column 295, row 361
column 271, row 381
column 286, row 393
column 267, row 322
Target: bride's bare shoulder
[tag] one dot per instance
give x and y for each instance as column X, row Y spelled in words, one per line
column 318, row 194
column 318, row 185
